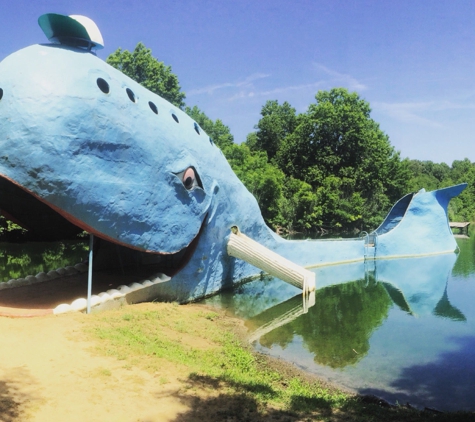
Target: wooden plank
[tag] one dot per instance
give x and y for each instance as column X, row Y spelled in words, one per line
column 459, row 225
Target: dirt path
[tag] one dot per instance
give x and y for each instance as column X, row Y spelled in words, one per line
column 50, row 372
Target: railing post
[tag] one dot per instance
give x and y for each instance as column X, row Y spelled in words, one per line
column 89, row 273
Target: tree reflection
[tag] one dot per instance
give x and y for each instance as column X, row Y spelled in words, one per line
column 338, row 328
column 465, row 264
column 22, row 259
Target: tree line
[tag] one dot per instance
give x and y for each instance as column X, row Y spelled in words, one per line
column 328, row 168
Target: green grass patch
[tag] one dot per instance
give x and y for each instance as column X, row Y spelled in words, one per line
column 205, row 347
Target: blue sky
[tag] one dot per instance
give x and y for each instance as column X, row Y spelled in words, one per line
column 412, row 60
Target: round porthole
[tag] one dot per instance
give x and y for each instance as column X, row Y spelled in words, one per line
column 103, row 85
column 130, row 94
column 175, row 118
column 153, row 107
column 197, row 129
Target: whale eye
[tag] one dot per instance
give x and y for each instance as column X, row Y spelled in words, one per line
column 189, row 178
column 1, row 93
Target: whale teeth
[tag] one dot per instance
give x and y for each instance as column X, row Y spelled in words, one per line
column 135, row 286
column 30, row 279
column 42, row 276
column 52, row 274
column 82, row 268
column 95, row 300
column 70, row 270
column 105, row 296
column 79, row 304
column 161, row 278
column 124, row 289
column 62, row 309
column 113, row 293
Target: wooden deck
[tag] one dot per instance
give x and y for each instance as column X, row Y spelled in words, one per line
column 461, row 226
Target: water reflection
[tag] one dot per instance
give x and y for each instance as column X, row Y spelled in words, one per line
column 350, row 303
column 337, row 329
column 374, row 326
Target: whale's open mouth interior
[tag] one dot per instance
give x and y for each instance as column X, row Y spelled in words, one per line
column 43, row 223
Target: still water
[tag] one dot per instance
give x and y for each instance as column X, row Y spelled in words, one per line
column 403, row 329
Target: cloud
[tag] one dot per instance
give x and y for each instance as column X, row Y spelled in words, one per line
column 276, row 91
column 343, row 79
column 413, row 112
column 246, row 88
column 210, row 89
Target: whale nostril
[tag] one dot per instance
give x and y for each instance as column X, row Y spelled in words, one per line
column 175, row 118
column 103, row 85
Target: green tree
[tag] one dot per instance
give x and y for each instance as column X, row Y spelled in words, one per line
column 428, row 175
column 262, row 179
column 143, row 68
column 343, row 154
column 298, row 206
column 462, row 208
column 277, row 122
column 217, row 130
column 431, row 176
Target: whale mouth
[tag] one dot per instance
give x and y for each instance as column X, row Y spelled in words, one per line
column 45, row 223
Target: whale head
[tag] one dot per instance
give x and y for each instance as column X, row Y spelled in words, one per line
column 84, row 147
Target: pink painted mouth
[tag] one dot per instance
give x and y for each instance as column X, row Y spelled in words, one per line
column 45, row 222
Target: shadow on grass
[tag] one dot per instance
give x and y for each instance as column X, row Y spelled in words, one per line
column 212, row 399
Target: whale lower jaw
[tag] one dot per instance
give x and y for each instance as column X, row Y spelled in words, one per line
column 135, row 292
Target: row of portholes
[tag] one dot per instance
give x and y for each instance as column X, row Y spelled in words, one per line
column 104, row 87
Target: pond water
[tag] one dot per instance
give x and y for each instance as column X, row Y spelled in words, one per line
column 403, row 330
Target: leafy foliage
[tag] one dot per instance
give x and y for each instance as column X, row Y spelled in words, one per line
column 429, row 175
column 261, row 178
column 350, row 171
column 217, row 130
column 277, row 122
column 143, row 68
column 331, row 167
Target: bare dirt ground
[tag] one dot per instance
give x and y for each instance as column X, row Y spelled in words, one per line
column 50, row 372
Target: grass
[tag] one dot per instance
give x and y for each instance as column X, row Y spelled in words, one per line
column 224, row 377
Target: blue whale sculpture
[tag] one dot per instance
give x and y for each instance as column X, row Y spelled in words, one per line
column 84, row 147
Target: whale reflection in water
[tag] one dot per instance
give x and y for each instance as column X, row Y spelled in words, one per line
column 351, row 301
